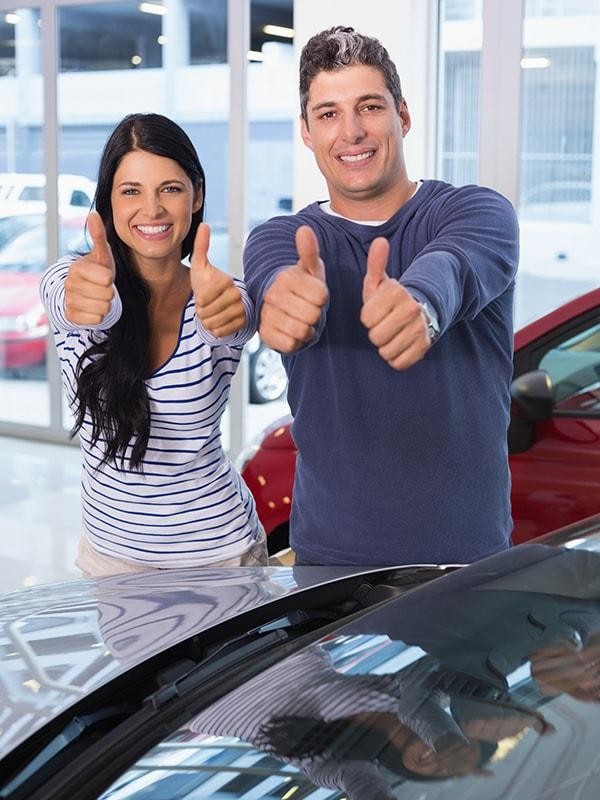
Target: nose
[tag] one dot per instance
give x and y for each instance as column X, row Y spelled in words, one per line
column 353, row 129
column 152, row 205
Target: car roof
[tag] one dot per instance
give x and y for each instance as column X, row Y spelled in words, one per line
column 558, row 316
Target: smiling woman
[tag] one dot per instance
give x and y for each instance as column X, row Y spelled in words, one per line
column 148, row 347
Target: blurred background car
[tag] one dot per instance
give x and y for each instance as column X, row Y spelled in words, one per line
column 23, row 321
column 25, row 192
column 267, row 376
column 554, row 434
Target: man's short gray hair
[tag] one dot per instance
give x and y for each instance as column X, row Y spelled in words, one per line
column 339, row 47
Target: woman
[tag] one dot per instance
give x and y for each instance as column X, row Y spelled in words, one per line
column 148, row 347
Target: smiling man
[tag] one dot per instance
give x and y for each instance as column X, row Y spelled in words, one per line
column 391, row 301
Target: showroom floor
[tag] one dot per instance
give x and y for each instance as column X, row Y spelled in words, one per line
column 39, row 512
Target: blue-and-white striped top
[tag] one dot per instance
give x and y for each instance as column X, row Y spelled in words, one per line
column 308, row 684
column 188, row 505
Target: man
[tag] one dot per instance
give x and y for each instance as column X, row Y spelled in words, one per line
column 392, row 305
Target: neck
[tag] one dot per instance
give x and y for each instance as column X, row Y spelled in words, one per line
column 167, row 282
column 379, row 207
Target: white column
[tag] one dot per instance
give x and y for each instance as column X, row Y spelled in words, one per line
column 500, row 96
column 238, row 42
column 175, row 50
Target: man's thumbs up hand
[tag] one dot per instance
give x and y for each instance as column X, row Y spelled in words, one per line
column 307, row 247
column 395, row 320
column 218, row 300
column 376, row 264
column 294, row 301
column 89, row 286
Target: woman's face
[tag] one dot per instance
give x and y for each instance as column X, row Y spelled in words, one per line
column 152, row 201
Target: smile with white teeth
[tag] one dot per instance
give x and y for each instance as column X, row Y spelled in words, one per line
column 358, row 156
column 152, row 229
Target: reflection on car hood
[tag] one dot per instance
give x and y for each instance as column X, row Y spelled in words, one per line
column 482, row 684
column 60, row 641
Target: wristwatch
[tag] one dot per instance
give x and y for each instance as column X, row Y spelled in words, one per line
column 433, row 328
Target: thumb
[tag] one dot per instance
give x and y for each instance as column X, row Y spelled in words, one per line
column 377, row 259
column 307, row 247
column 101, row 252
column 199, row 258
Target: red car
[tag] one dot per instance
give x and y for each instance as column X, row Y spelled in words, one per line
column 23, row 321
column 554, row 435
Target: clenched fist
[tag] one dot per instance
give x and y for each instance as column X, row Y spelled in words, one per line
column 89, row 286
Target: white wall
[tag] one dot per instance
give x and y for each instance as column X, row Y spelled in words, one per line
column 406, row 28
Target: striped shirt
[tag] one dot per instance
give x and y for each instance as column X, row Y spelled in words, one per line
column 188, row 505
column 307, row 684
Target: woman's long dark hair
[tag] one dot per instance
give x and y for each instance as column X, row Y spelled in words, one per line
column 111, row 373
column 346, row 739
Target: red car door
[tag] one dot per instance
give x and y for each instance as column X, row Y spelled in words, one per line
column 555, row 461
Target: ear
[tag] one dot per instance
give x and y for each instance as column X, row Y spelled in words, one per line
column 198, row 200
column 404, row 118
column 305, row 133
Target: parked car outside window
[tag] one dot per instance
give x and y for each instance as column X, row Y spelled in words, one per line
column 25, row 192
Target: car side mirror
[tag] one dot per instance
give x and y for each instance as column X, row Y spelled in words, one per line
column 532, row 401
column 531, row 395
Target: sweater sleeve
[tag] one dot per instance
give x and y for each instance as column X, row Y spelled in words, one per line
column 52, row 293
column 271, row 248
column 472, row 256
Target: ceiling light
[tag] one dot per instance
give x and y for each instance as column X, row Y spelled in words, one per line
column 136, row 60
column 278, row 30
column 162, row 39
column 255, row 55
column 535, row 63
column 152, row 8
column 12, row 19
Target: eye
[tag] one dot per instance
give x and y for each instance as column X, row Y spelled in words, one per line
column 327, row 115
column 372, row 107
column 173, row 189
column 130, row 190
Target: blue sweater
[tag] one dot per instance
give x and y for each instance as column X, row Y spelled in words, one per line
column 411, row 466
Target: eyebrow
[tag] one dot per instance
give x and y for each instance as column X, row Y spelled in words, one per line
column 162, row 183
column 332, row 103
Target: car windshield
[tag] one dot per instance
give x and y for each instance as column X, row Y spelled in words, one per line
column 482, row 684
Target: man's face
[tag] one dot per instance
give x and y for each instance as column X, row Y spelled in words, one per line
column 355, row 131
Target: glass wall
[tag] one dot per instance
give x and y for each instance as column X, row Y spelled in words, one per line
column 557, row 119
column 23, row 327
column 113, row 58
column 460, row 51
column 560, row 145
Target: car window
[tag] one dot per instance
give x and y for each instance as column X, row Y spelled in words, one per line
column 80, row 199
column 33, row 193
column 574, row 368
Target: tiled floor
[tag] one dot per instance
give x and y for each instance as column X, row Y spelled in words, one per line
column 40, row 515
column 39, row 512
